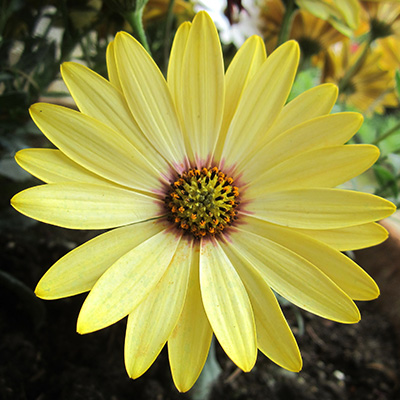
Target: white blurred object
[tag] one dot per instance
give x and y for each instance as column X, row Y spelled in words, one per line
column 244, row 22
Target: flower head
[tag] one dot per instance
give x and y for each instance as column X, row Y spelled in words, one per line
column 216, row 192
column 371, row 88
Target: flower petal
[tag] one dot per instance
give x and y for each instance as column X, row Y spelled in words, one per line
column 319, row 208
column 174, row 74
column 99, row 99
column 261, row 102
column 201, row 91
column 325, row 167
column 52, row 166
column 313, row 103
column 349, row 238
column 324, row 131
column 246, row 62
column 85, row 206
column 112, row 66
column 352, row 279
column 227, row 306
column 127, row 282
column 150, row 324
column 295, row 278
column 190, row 341
column 79, row 269
column 274, row 337
column 95, row 146
column 149, row 99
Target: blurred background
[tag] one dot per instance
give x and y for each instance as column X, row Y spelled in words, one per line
column 354, row 44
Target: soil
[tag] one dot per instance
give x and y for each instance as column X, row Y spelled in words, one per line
column 43, row 358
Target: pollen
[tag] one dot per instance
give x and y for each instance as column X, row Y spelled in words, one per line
column 202, row 202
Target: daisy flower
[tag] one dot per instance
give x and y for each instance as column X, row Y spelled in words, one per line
column 371, row 88
column 215, row 192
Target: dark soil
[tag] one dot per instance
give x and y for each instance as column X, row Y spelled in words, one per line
column 43, row 358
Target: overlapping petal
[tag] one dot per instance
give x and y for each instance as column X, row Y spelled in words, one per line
column 313, row 103
column 98, row 98
column 112, row 66
column 174, row 74
column 294, row 278
column 80, row 269
column 261, row 102
column 95, row 146
column 53, row 166
column 149, row 99
column 227, row 306
column 319, row 208
column 200, row 90
column 246, row 62
column 190, row 341
column 325, row 167
column 127, row 282
column 324, row 131
column 349, row 238
column 85, row 206
column 274, row 337
column 353, row 280
column 152, row 321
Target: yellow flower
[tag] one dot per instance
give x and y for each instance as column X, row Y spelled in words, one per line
column 270, row 21
column 156, row 9
column 370, row 89
column 390, row 47
column 314, row 35
column 344, row 15
column 217, row 191
column 383, row 17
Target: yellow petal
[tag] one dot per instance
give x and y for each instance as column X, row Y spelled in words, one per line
column 52, row 166
column 326, row 167
column 319, row 208
column 112, row 66
column 127, row 282
column 313, row 103
column 149, row 99
column 324, row 131
column 274, row 337
column 227, row 306
column 261, row 102
column 295, row 278
column 190, row 341
column 99, row 99
column 246, row 62
column 353, row 280
column 85, row 206
column 202, row 88
column 174, row 74
column 79, row 269
column 150, row 324
column 95, row 146
column 350, row 238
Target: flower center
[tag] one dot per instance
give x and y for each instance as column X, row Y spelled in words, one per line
column 202, row 202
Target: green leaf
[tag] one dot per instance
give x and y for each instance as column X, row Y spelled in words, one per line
column 398, row 83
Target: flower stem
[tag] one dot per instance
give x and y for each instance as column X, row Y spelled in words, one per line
column 135, row 20
column 286, row 23
column 209, row 375
column 343, row 83
column 388, row 133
